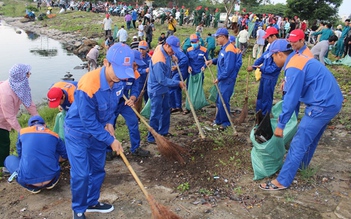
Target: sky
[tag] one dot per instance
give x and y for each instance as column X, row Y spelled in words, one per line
column 344, row 9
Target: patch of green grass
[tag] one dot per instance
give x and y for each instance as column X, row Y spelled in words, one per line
column 183, row 187
column 309, row 174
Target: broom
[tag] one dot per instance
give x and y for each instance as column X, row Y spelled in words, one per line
column 139, row 101
column 158, row 211
column 244, row 111
column 222, row 100
column 166, row 148
column 191, row 105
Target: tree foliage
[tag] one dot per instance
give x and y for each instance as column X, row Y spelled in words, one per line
column 314, row 9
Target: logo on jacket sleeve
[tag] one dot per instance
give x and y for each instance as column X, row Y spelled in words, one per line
column 118, row 93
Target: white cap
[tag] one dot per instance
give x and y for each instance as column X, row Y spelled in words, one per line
column 135, row 37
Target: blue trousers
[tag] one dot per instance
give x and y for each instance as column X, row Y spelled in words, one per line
column 265, row 95
column 227, row 89
column 12, row 163
column 175, row 94
column 87, row 158
column 132, row 124
column 305, row 141
column 160, row 114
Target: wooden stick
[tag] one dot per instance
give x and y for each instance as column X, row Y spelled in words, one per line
column 222, row 100
column 191, row 105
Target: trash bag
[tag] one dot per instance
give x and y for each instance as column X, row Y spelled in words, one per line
column 146, row 111
column 213, row 94
column 58, row 126
column 196, row 92
column 344, row 61
column 267, row 158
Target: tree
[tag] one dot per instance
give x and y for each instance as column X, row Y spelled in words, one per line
column 314, row 9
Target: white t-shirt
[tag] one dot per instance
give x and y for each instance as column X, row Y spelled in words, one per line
column 141, row 30
column 107, row 23
column 243, row 36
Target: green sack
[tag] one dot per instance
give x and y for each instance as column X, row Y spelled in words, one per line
column 58, row 126
column 267, row 158
column 213, row 94
column 196, row 92
column 146, row 111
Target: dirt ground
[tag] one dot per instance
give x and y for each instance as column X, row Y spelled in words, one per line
column 215, row 183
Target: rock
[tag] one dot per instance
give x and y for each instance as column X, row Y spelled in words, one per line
column 343, row 209
column 18, row 31
column 77, row 44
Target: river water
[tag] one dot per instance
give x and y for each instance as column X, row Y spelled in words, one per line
column 49, row 61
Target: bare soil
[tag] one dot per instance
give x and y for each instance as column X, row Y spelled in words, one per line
column 216, row 181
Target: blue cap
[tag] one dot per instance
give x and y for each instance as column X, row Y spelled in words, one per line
column 232, row 39
column 36, row 120
column 279, row 45
column 221, row 31
column 138, row 59
column 121, row 56
column 174, row 42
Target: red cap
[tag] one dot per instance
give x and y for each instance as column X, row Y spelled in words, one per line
column 296, row 35
column 270, row 31
column 107, row 15
column 54, row 97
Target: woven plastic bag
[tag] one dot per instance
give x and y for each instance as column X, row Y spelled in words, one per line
column 267, row 158
column 196, row 92
column 213, row 94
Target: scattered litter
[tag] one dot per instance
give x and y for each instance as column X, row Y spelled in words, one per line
column 23, row 209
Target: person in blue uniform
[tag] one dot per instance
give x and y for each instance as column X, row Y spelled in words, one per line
column 158, row 85
column 62, row 94
column 176, row 92
column 143, row 69
column 89, row 128
column 39, row 151
column 310, row 82
column 228, row 65
column 270, row 73
column 131, row 91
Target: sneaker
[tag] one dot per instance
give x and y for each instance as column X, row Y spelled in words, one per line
column 78, row 215
column 101, row 208
column 34, row 191
column 53, row 185
column 141, row 152
column 109, row 156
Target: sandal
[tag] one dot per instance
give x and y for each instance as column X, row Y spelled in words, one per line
column 186, row 112
column 174, row 110
column 271, row 187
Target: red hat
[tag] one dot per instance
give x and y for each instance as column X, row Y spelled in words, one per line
column 270, row 31
column 296, row 35
column 54, row 97
column 107, row 15
column 216, row 10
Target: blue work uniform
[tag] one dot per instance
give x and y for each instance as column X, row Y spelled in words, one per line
column 211, row 45
column 158, row 85
column 68, row 89
column 196, row 59
column 38, row 150
column 310, row 82
column 228, row 63
column 131, row 88
column 143, row 75
column 270, row 73
column 176, row 92
column 95, row 105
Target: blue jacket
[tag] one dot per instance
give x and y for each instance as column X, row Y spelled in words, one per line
column 159, row 79
column 229, row 62
column 142, row 68
column 94, row 106
column 325, row 34
column 183, row 63
column 196, row 58
column 38, row 149
column 310, row 82
column 269, row 69
column 134, row 15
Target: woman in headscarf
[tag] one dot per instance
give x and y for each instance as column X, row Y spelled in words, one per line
column 13, row 92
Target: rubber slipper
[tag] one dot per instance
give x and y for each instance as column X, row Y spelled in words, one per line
column 271, row 187
column 174, row 110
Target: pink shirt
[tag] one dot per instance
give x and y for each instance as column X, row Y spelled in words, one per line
column 9, row 107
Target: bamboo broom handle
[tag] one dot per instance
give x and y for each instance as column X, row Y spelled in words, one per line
column 138, row 114
column 191, row 105
column 222, row 100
